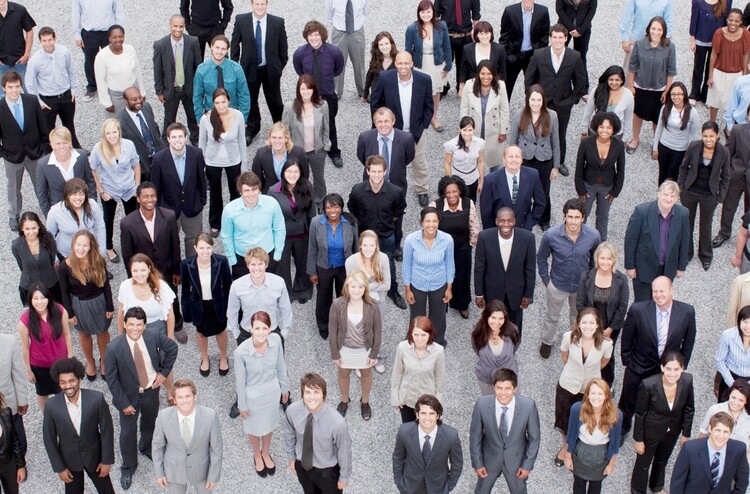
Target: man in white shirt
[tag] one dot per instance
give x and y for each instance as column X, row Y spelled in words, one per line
column 348, row 34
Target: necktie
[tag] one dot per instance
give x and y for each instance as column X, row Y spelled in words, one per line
column 426, row 449
column 219, row 77
column 307, row 444
column 140, row 366
column 386, row 156
column 459, row 18
column 258, row 43
column 715, row 469
column 317, row 74
column 179, row 69
column 350, row 16
column 515, row 189
column 661, row 332
column 18, row 114
column 147, row 137
column 187, row 435
column 504, row 424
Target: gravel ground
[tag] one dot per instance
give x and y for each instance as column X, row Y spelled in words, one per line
column 373, row 441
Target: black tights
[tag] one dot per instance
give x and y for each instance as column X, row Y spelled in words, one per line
column 579, row 486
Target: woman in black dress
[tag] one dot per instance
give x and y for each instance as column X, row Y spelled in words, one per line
column 383, row 53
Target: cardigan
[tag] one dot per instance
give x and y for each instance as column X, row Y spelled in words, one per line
column 338, row 323
column 574, row 424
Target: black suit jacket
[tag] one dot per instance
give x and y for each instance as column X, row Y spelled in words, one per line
column 50, row 182
column 529, row 204
column 75, row 451
column 33, row 141
column 386, row 94
column 263, row 165
column 654, row 418
column 590, row 169
column 10, row 449
column 402, row 150
column 511, row 29
column 617, row 305
column 492, row 280
column 191, row 297
column 165, row 248
column 563, row 88
column 443, row 468
column 640, row 352
column 276, row 47
column 692, row 470
column 164, row 67
column 574, row 16
column 718, row 182
column 122, row 377
column 188, row 198
column 130, row 131
column 468, row 69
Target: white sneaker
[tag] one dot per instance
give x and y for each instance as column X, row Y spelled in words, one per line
column 89, row 96
column 379, row 367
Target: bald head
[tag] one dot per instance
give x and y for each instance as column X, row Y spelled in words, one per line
column 513, row 158
column 662, row 292
column 404, row 63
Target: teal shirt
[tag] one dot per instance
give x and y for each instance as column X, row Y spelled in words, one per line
column 235, row 84
column 243, row 228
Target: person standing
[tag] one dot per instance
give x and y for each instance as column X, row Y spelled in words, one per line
column 116, row 68
column 636, row 19
column 347, row 18
column 13, row 384
column 460, row 16
column 35, row 252
column 206, row 19
column 274, row 153
column 524, row 27
column 18, row 38
column 679, row 125
column 706, row 16
column 77, row 211
column 576, row 16
column 219, row 72
column 139, row 126
column 495, row 340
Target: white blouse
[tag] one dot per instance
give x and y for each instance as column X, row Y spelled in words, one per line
column 156, row 310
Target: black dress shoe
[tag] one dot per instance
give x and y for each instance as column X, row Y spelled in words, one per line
column 126, row 480
column 302, row 300
column 147, row 454
column 234, row 412
column 223, row 372
column 545, row 350
column 337, row 161
column 91, row 377
column 13, row 223
column 563, row 170
column 205, row 373
column 397, row 299
column 706, row 265
column 718, row 241
column 343, row 406
column 424, row 199
column 398, row 255
column 270, row 470
column 215, row 233
column 115, row 259
column 262, row 473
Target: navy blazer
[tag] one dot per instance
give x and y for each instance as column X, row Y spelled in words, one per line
column 529, row 204
column 692, row 470
column 50, row 182
column 386, row 94
column 263, row 165
column 191, row 297
column 275, row 46
column 511, row 29
column 492, row 280
column 33, row 141
column 164, row 67
column 402, row 150
column 188, row 198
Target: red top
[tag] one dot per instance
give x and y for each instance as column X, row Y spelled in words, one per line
column 49, row 350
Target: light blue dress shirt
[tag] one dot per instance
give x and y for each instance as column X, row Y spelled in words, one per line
column 243, row 228
column 637, row 13
column 738, row 102
column 179, row 164
column 51, row 74
column 526, row 43
column 428, row 269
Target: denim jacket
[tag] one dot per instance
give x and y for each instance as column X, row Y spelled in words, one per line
column 441, row 41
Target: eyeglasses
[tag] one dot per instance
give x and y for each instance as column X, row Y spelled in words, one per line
column 677, row 94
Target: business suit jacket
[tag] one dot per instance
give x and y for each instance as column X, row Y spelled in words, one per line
column 639, row 346
column 297, row 223
column 33, row 141
column 563, row 88
column 718, row 182
column 588, row 165
column 617, row 305
column 642, row 242
column 574, row 16
column 520, row 448
column 402, row 150
column 468, row 69
column 198, row 463
column 692, row 470
column 192, row 291
column 738, row 146
column 164, row 65
column 386, row 94
column 12, row 379
column 492, row 280
column 50, row 182
column 275, row 46
column 529, row 204
column 263, row 165
column 75, row 451
column 496, row 118
column 410, row 473
column 130, row 131
column 34, row 270
column 511, row 29
column 188, row 198
column 10, row 449
column 164, row 250
column 297, row 127
column 317, row 243
column 654, row 418
column 122, row 377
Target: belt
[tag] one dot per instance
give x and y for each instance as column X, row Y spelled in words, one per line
column 459, row 35
column 66, row 93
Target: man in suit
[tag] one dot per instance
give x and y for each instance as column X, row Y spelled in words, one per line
column 460, row 17
column 504, row 435
column 259, row 44
column 137, row 364
column 651, row 328
column 206, row 19
column 714, row 464
column 505, row 266
column 656, row 240
column 427, row 457
column 138, row 125
column 176, row 58
column 78, row 432
column 524, row 27
column 178, row 174
column 187, row 446
column 516, row 187
column 562, row 74
column 13, row 383
column 347, row 18
column 417, row 86
column 23, row 140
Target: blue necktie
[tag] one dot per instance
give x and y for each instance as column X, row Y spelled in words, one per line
column 258, row 43
column 349, row 17
column 715, row 463
column 147, row 137
column 18, row 114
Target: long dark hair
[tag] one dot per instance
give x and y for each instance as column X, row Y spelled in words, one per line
column 303, row 188
column 463, row 123
column 426, row 5
column 46, row 240
column 317, row 102
column 601, row 94
column 543, row 127
column 376, row 57
column 54, row 314
column 482, row 331
column 495, row 86
column 71, row 187
column 214, row 117
column 668, row 105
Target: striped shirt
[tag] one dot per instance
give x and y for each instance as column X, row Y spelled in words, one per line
column 428, row 269
column 731, row 356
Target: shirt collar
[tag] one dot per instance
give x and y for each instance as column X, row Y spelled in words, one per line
column 176, row 157
column 324, row 219
column 70, row 403
column 511, row 406
column 389, row 136
column 458, row 208
column 406, row 82
column 73, row 157
column 146, row 220
column 190, row 416
column 11, row 104
column 177, row 43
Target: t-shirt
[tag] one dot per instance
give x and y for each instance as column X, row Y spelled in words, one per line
column 156, row 310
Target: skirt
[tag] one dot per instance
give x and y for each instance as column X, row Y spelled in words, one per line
column 564, row 400
column 354, row 358
column 44, row 384
column 589, row 461
column 718, row 95
column 91, row 314
column 210, row 324
column 263, row 404
column 432, row 70
column 647, row 104
column 159, row 325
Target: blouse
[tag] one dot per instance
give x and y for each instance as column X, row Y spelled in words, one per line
column 731, row 356
column 116, row 73
column 671, row 136
column 231, row 149
column 574, row 428
column 414, row 376
column 576, row 373
column 428, row 269
column 729, row 53
column 63, row 226
column 489, row 360
column 117, row 179
column 652, row 65
column 46, row 352
column 70, row 285
column 252, row 368
column 156, row 310
column 465, row 163
column 377, row 290
column 703, row 22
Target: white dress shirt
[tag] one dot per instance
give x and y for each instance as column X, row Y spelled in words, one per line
column 66, row 174
column 74, row 410
column 337, row 13
column 191, row 421
column 505, row 248
column 508, row 413
column 423, row 434
column 556, row 62
column 404, row 95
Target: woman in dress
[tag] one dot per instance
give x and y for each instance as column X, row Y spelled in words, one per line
column 35, row 252
column 87, row 297
column 611, row 96
column 459, row 219
column 222, row 138
column 483, row 49
column 737, row 404
column 593, row 438
column 664, row 409
column 294, row 194
column 576, row 16
column 383, row 53
column 260, row 372
column 12, row 455
column 77, row 211
column 418, row 369
column 116, row 68
column 117, row 173
column 45, row 338
column 464, row 157
column 270, row 159
column 727, row 63
column 495, row 340
column 534, row 130
column 486, row 101
column 206, row 279
column 428, row 42
column 307, row 119
column 355, row 333
column 706, row 16
column 679, row 125
column 733, row 352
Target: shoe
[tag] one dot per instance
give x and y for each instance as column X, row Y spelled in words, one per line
column 114, row 260
column 207, row 372
column 234, row 412
column 397, row 299
column 706, row 265
column 563, row 170
column 264, row 472
column 358, row 373
column 464, row 313
column 284, row 406
column 88, row 97
column 110, row 276
column 438, row 127
column 631, row 150
column 302, row 300
column 342, row 408
column 545, row 350
column 424, row 199
column 13, row 223
column 215, row 233
column 323, row 334
column 126, row 480
column 91, row 377
column 271, row 470
column 249, row 139
column 559, row 462
column 398, row 255
column 544, row 227
column 366, row 410
column 181, row 336
column 718, row 241
column 379, row 366
column 147, row 454
column 223, row 372
column 337, row 161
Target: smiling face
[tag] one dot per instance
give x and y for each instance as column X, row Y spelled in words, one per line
column 513, row 159
column 219, row 51
column 77, row 198
column 39, row 302
column 292, row 174
column 485, row 77
column 70, row 385
column 430, row 223
column 185, row 400
column 535, row 101
column 260, row 7
column 504, row 391
column 427, row 418
column 467, row 133
column 147, row 199
column 260, row 332
column 134, row 328
column 61, row 148
column 356, row 290
column 48, row 43
column 313, row 399
column 176, row 140
column 505, row 221
column 139, row 272
column 116, row 39
column 250, row 195
column 557, row 41
column 615, row 82
column 367, row 247
column 709, row 138
column 421, row 338
column 734, row 22
column 315, row 40
column 257, row 269
column 425, row 16
column 177, row 27
column 678, row 96
column 404, row 64
column 384, row 45
column 305, row 92
column 605, row 260
column 221, row 103
column 605, row 130
column 666, row 199
column 12, row 90
column 376, row 174
column 452, row 194
column 588, row 326
column 30, row 230
column 745, row 327
column 384, row 123
column 718, row 435
column 204, row 250
column 278, row 141
column 662, row 292
column 596, row 396
column 112, row 135
column 82, row 246
column 655, row 31
column 496, row 321
column 333, row 212
column 736, row 401
column 672, row 371
column 484, row 37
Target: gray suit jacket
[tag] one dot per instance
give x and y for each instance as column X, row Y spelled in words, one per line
column 50, row 182
column 164, row 67
column 181, row 464
column 13, row 377
column 297, row 127
column 443, row 468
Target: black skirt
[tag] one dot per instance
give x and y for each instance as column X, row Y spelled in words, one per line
column 564, row 400
column 210, row 324
column 44, row 384
column 647, row 104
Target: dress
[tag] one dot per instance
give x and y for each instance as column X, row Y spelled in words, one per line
column 429, row 67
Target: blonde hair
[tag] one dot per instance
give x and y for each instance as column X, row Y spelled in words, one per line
column 360, row 277
column 61, row 134
column 280, row 126
column 377, row 274
column 608, row 248
column 670, row 186
column 108, row 150
column 608, row 414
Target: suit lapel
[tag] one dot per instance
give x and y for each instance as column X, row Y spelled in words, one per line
column 128, row 357
column 489, row 410
column 653, row 226
column 705, row 461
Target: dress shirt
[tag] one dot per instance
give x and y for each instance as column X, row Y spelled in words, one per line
column 731, row 356
column 506, row 247
column 569, row 260
column 66, row 174
column 243, row 228
column 637, row 13
column 526, row 17
column 150, row 224
column 63, row 226
column 263, row 23
column 722, row 457
column 337, row 13
column 738, row 102
column 51, row 74
column 389, row 140
column 278, row 164
column 150, row 371
column 509, row 176
column 191, row 421
column 271, row 297
column 179, row 164
column 664, row 225
column 117, row 72
column 331, row 65
column 12, row 40
column 332, row 443
column 205, row 83
column 12, row 104
column 117, row 178
column 428, row 269
column 96, row 15
column 556, row 61
column 253, row 368
column 404, row 95
column 74, row 411
column 156, row 310
column 508, row 413
column 741, row 430
column 414, row 376
column 423, row 437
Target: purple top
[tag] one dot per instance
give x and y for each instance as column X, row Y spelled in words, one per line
column 49, row 350
column 664, row 224
column 331, row 62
